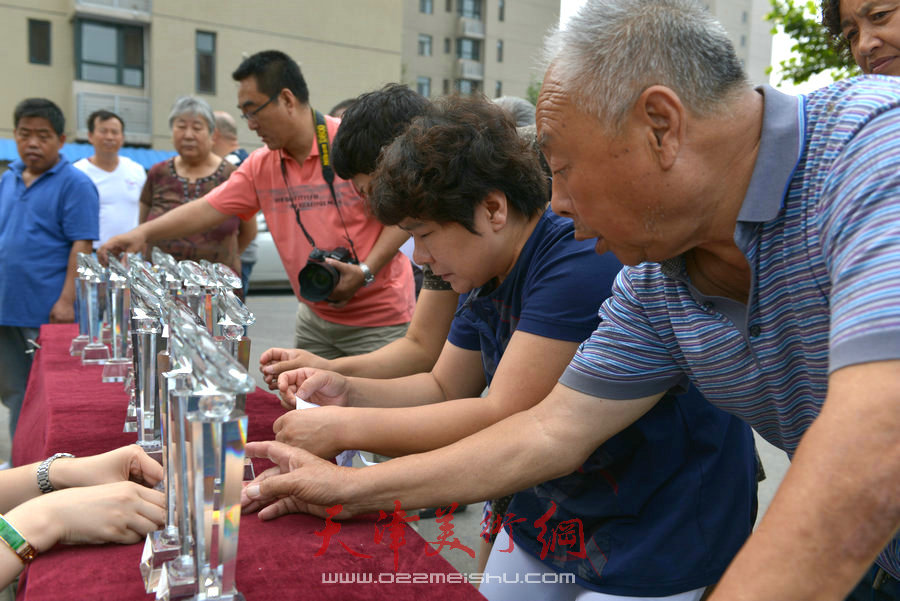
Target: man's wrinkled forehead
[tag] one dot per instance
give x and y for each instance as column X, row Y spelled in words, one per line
column 552, row 100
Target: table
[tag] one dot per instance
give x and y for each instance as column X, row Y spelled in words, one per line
column 67, row 408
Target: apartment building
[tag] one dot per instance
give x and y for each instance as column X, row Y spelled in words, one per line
column 136, row 56
column 488, row 46
column 745, row 22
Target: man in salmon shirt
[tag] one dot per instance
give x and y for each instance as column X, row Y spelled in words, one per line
column 367, row 299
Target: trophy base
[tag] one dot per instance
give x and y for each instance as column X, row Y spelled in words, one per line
column 153, row 448
column 116, row 370
column 78, row 344
column 106, row 334
column 129, row 427
column 249, row 472
column 95, row 354
column 176, row 579
column 157, row 551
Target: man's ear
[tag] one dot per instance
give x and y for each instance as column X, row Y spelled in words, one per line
column 661, row 111
column 497, row 208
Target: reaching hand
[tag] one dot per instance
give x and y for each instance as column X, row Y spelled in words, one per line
column 298, row 483
column 276, row 361
column 125, row 463
column 122, row 512
column 315, row 430
column 313, row 385
column 129, row 242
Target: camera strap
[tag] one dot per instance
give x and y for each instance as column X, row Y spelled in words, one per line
column 327, row 175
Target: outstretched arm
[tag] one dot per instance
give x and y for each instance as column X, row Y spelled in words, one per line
column 530, row 368
column 547, row 441
column 415, row 352
column 839, row 503
column 190, row 218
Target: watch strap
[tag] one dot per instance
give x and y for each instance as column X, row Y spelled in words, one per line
column 43, row 472
column 368, row 276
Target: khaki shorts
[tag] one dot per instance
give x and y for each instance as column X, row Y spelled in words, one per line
column 333, row 340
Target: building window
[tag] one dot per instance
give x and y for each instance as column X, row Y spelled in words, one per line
column 446, row 86
column 446, row 45
column 499, row 51
column 426, row 6
column 38, row 42
column 109, row 53
column 498, row 89
column 468, row 48
column 743, row 41
column 466, row 86
column 423, row 86
column 501, row 10
column 206, row 62
column 743, row 16
column 449, row 6
column 470, row 9
column 424, row 45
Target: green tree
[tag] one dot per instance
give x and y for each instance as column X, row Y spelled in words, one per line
column 813, row 49
column 534, row 88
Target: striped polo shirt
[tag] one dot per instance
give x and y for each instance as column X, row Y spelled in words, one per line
column 820, row 228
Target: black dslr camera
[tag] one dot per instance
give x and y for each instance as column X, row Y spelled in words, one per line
column 318, row 278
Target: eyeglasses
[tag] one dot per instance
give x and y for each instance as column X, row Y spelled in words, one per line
column 251, row 116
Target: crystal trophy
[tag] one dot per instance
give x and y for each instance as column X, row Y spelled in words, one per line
column 174, row 539
column 167, row 268
column 234, row 319
column 198, row 291
column 217, row 434
column 147, row 311
column 118, row 302
column 82, row 338
column 92, row 276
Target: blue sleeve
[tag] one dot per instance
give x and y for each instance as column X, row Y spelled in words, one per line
column 79, row 207
column 565, row 289
column 463, row 332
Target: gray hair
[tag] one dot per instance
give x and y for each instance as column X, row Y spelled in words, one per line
column 613, row 50
column 521, row 110
column 193, row 106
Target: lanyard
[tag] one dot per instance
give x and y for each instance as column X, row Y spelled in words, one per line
column 327, row 175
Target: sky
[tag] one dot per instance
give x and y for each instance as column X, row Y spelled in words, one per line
column 781, row 46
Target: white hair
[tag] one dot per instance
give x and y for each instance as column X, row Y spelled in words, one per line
column 520, row 109
column 613, row 50
column 193, row 106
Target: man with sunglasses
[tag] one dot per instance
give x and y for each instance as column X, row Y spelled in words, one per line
column 372, row 301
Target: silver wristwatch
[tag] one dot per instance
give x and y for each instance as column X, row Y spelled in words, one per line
column 43, row 472
column 368, row 276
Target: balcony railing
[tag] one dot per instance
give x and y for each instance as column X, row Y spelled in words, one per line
column 139, row 6
column 469, row 69
column 134, row 110
column 470, row 28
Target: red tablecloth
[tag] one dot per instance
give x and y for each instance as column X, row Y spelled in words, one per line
column 67, row 408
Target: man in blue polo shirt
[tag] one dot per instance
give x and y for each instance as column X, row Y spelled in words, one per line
column 49, row 211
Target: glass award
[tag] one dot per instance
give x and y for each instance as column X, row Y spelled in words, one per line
column 92, row 276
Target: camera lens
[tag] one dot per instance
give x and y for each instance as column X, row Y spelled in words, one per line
column 317, row 280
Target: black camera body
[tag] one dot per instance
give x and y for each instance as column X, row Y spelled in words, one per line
column 318, row 279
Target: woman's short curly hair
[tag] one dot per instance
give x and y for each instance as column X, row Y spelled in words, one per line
column 831, row 19
column 449, row 159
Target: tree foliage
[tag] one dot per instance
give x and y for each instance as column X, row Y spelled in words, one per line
column 813, row 49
